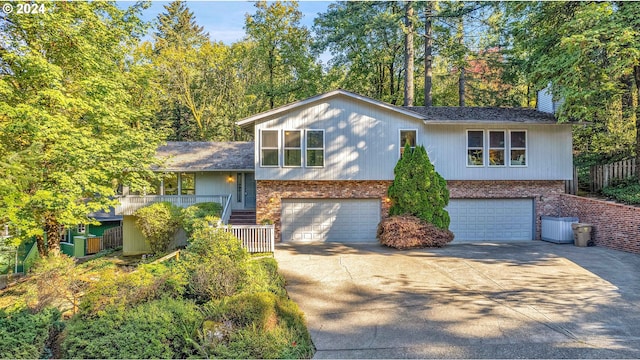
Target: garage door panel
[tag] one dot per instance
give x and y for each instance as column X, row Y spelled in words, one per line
column 491, row 219
column 343, row 220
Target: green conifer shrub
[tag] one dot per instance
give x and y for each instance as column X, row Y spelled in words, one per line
column 418, row 189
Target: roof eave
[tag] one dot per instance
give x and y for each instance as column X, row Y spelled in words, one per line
column 252, row 119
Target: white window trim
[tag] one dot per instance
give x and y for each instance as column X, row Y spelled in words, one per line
column 270, row 148
column 466, row 153
column 324, row 147
column 526, row 148
column 400, row 146
column 81, row 228
column 301, row 148
column 504, row 148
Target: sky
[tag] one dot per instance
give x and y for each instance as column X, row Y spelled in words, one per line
column 224, row 20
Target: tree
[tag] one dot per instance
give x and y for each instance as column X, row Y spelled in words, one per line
column 408, row 55
column 282, row 52
column 418, row 189
column 590, row 54
column 72, row 122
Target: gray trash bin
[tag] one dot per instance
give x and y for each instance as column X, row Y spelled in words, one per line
column 581, row 234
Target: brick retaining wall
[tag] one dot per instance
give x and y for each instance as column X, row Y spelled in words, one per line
column 615, row 226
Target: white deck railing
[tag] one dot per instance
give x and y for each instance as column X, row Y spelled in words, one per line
column 255, row 238
column 130, row 203
column 226, row 211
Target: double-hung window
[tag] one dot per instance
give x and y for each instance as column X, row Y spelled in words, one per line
column 475, row 147
column 407, row 137
column 269, row 148
column 497, row 147
column 518, row 147
column 315, row 148
column 292, row 148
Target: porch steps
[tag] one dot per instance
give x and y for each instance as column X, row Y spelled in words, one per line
column 243, row 217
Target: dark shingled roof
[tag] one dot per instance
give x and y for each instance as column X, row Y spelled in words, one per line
column 446, row 114
column 206, row 156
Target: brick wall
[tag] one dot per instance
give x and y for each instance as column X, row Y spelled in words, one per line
column 615, row 226
column 544, row 193
column 271, row 192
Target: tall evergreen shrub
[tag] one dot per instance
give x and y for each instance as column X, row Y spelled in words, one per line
column 418, row 189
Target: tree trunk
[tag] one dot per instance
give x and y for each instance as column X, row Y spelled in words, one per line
column 428, row 53
column 408, row 55
column 636, row 73
column 461, row 76
column 53, row 235
column 42, row 247
column 461, row 81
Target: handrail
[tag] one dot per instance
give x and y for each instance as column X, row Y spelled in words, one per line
column 226, row 211
column 130, row 203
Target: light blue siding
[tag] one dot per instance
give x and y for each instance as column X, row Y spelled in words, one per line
column 361, row 140
column 549, row 152
column 362, row 143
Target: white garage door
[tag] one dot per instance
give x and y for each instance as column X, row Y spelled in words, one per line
column 340, row 220
column 491, row 219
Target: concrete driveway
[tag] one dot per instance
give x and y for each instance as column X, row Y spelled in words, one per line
column 502, row 300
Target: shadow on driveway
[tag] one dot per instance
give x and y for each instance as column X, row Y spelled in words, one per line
column 489, row 300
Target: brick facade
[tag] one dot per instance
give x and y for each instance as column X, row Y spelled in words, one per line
column 545, row 193
column 271, row 192
column 615, row 226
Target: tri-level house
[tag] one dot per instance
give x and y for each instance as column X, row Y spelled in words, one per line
column 320, row 167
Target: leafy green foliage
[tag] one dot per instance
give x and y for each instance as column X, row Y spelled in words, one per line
column 24, row 334
column 626, row 191
column 161, row 328
column 418, row 189
column 73, row 117
column 158, row 223
column 195, row 215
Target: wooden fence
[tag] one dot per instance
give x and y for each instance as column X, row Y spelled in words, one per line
column 571, row 186
column 255, row 238
column 600, row 176
column 112, row 238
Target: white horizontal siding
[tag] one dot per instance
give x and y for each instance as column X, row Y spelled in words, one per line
column 361, row 141
column 548, row 150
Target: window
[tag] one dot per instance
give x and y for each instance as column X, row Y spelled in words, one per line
column 187, row 184
column 292, row 148
column 315, row 148
column 518, row 148
column 269, row 152
column 475, row 148
column 408, row 137
column 496, row 148
column 81, row 228
column 239, row 187
column 170, row 184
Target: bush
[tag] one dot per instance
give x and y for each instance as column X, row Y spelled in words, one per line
column 264, row 277
column 626, row 191
column 209, row 212
column 159, row 223
column 215, row 279
column 406, row 232
column 158, row 329
column 418, row 189
column 264, row 326
column 116, row 291
column 58, row 281
column 24, row 335
column 207, row 243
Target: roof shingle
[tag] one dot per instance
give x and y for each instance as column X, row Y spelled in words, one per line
column 206, row 156
column 446, row 114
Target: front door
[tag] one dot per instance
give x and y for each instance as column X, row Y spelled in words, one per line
column 249, row 191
